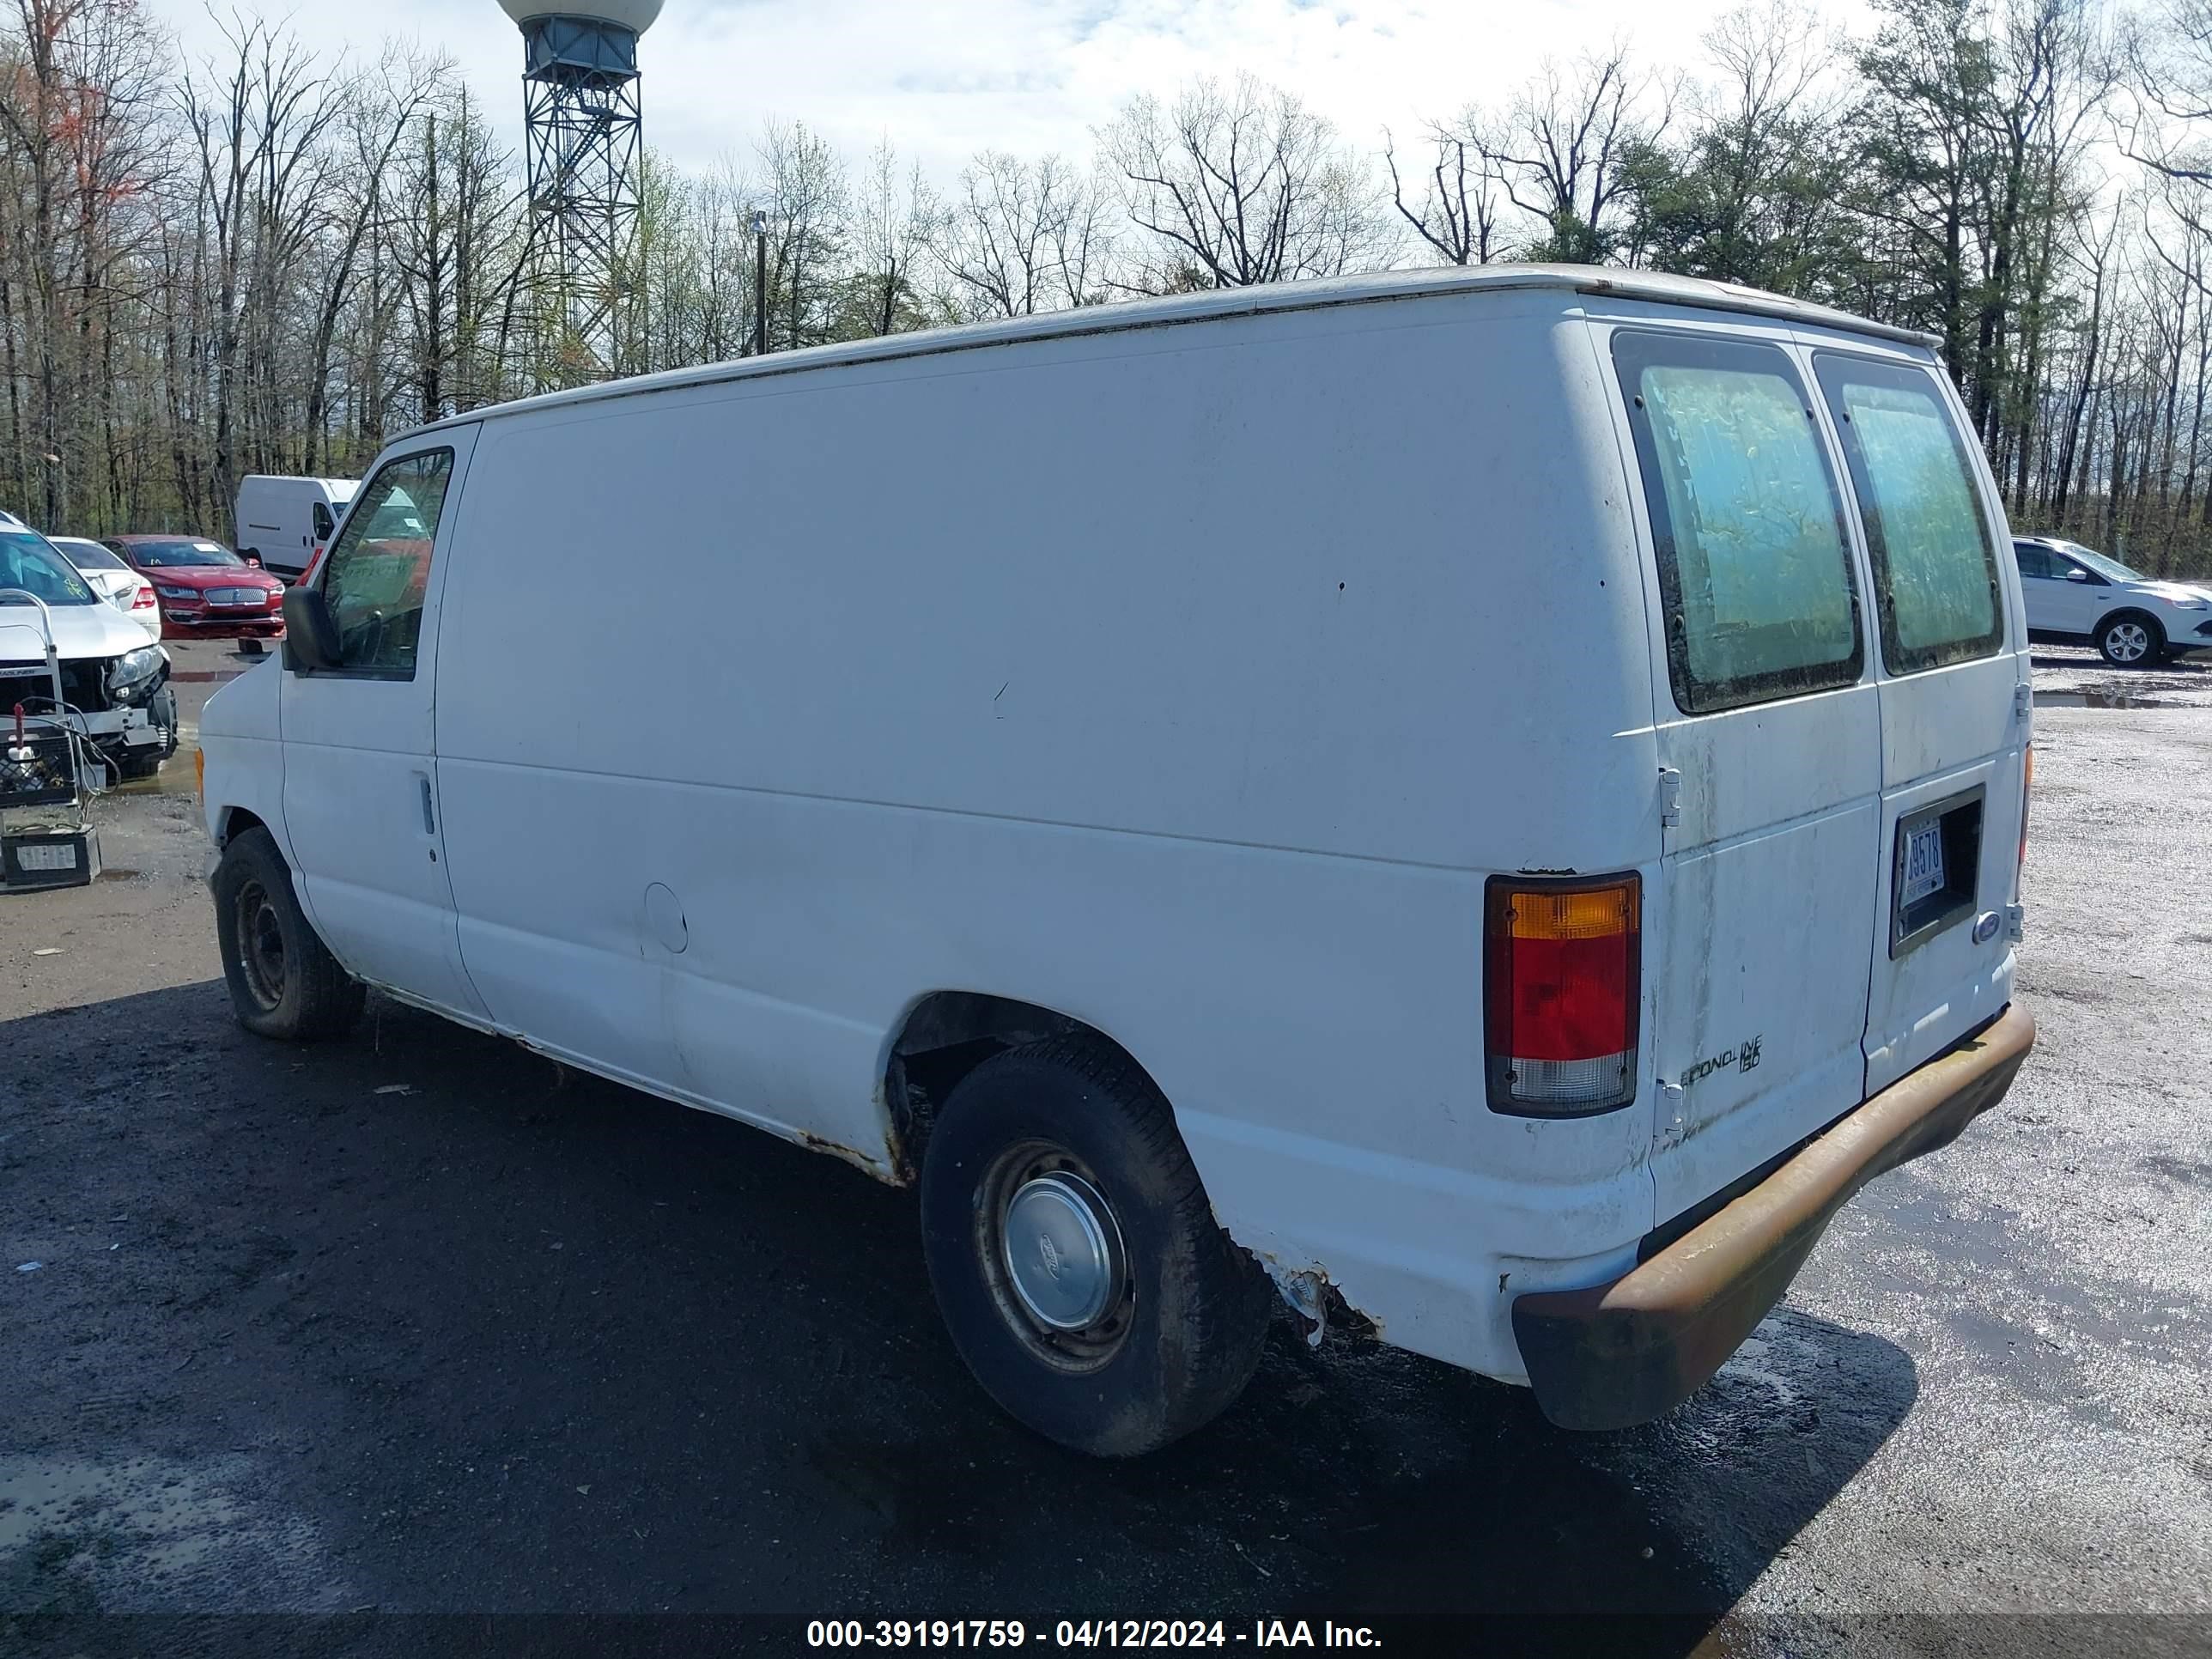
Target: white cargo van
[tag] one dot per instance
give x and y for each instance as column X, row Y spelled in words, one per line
column 1491, row 800
column 286, row 523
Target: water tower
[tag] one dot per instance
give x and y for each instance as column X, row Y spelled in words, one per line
column 580, row 94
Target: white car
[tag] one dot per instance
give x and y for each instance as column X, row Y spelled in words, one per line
column 115, row 684
column 2079, row 597
column 114, row 580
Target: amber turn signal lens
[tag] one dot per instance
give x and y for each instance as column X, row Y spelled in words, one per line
column 1591, row 913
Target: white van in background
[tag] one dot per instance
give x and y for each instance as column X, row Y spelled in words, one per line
column 1490, row 798
column 287, row 522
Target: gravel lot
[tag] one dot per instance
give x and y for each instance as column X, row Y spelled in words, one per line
column 419, row 1324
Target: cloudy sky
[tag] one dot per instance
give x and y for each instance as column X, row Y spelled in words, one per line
column 944, row 78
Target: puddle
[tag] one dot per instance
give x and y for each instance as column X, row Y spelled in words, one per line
column 150, row 1534
column 2093, row 697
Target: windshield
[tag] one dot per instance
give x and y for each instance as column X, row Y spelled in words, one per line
column 178, row 554
column 87, row 556
column 28, row 562
column 2110, row 569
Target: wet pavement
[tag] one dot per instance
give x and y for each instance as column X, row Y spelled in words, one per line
column 420, row 1323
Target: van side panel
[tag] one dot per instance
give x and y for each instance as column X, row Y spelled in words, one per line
column 1190, row 682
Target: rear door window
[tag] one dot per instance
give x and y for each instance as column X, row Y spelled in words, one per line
column 1746, row 521
column 1934, row 560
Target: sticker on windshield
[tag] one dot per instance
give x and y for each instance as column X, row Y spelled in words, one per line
column 205, row 547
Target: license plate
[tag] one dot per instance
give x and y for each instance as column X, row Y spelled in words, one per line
column 1924, row 863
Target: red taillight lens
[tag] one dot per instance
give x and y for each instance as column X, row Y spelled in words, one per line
column 143, row 599
column 1562, row 963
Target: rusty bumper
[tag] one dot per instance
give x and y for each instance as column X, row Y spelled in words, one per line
column 1611, row 1356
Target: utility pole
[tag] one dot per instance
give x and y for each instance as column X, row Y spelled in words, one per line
column 760, row 284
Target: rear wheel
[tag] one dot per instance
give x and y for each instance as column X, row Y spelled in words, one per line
column 283, row 982
column 2131, row 640
column 1075, row 1257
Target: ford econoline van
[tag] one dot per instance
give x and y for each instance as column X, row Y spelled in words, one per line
column 1486, row 803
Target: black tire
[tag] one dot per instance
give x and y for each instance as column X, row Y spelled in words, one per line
column 2131, row 640
column 284, row 983
column 1183, row 1327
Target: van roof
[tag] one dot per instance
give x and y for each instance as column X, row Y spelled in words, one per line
column 1305, row 295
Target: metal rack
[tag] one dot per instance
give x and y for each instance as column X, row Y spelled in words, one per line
column 43, row 772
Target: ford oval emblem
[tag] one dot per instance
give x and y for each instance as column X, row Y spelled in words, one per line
column 1050, row 1253
column 1985, row 927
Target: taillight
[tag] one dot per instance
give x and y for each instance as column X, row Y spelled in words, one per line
column 1562, row 963
column 143, row 599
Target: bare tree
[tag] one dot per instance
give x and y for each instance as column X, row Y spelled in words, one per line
column 1243, row 185
column 1025, row 238
column 380, row 111
column 258, row 120
column 806, row 197
column 1565, row 148
column 896, row 223
column 1458, row 212
column 2168, row 55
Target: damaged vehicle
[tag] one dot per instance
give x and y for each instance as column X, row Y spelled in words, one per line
column 1488, row 799
column 115, row 682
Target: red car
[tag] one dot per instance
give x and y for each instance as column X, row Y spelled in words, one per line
column 207, row 591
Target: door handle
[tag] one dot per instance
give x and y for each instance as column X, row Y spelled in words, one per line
column 429, row 817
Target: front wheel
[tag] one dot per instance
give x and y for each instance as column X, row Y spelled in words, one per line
column 2131, row 641
column 1075, row 1257
column 283, row 981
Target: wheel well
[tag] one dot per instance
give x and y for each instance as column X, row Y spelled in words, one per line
column 236, row 821
column 947, row 1034
column 2157, row 627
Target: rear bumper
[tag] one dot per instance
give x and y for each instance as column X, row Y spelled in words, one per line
column 1610, row 1356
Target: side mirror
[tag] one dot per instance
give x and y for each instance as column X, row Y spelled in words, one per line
column 2076, row 574
column 311, row 634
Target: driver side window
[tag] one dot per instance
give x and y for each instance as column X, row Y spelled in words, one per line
column 375, row 577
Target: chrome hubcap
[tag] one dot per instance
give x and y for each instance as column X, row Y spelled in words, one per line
column 1052, row 1255
column 1062, row 1250
column 2129, row 642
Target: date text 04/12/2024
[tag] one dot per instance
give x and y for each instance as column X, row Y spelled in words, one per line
column 1085, row 1633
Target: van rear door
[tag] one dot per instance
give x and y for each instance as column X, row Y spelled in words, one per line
column 1955, row 707
column 1769, row 733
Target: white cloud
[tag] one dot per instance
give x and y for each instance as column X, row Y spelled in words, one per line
column 944, row 78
